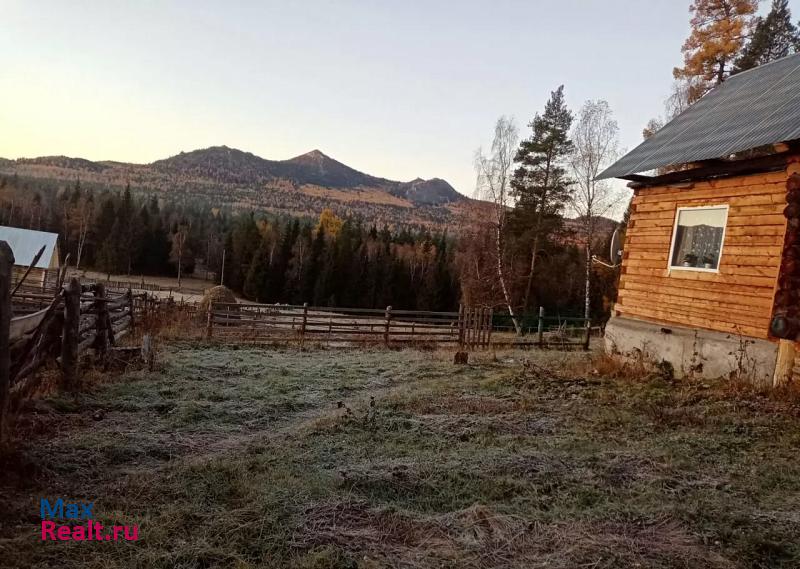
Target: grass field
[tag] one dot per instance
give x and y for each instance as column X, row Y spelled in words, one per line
column 344, row 459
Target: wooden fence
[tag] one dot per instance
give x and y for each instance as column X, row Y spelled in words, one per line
column 470, row 328
column 36, row 327
column 142, row 285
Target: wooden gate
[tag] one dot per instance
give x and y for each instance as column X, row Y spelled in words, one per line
column 474, row 327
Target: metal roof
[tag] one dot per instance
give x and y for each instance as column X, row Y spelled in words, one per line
column 754, row 108
column 25, row 243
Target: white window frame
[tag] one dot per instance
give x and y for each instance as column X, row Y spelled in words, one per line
column 670, row 266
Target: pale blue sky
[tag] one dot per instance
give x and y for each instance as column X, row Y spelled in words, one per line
column 396, row 89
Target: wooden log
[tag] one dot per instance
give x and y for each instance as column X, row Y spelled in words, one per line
column 120, row 314
column 70, row 335
column 123, row 324
column 88, row 322
column 86, row 343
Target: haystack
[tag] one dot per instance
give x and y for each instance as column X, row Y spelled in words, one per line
column 217, row 294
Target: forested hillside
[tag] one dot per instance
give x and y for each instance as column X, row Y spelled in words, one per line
column 324, row 260
column 223, row 177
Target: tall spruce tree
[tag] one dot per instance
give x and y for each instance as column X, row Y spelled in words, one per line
column 774, row 37
column 256, row 282
column 540, row 182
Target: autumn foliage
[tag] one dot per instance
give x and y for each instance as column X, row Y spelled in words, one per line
column 719, row 31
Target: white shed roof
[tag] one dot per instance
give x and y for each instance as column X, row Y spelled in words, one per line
column 25, row 243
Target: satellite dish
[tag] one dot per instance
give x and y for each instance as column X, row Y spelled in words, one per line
column 616, row 247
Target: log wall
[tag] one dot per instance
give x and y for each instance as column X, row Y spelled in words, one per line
column 736, row 299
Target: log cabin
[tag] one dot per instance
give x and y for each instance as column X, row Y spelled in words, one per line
column 25, row 244
column 710, row 270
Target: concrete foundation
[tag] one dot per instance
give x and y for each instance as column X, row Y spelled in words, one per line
column 693, row 352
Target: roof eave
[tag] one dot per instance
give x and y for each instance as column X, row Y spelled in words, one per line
column 715, row 169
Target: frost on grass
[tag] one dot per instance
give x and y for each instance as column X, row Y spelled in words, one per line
column 339, row 459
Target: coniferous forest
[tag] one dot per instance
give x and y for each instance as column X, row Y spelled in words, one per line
column 329, row 261
column 325, row 261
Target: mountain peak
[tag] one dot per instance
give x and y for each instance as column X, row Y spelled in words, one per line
column 316, row 156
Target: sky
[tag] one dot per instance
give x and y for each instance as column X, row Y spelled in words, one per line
column 397, row 89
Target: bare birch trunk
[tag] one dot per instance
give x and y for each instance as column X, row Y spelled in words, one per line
column 588, row 295
column 501, row 277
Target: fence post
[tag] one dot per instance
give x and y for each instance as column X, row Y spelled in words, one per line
column 6, row 264
column 485, row 328
column 460, row 326
column 70, row 335
column 540, row 327
column 303, row 325
column 129, row 296
column 468, row 328
column 480, row 325
column 489, row 330
column 101, row 324
column 210, row 319
column 588, row 333
column 476, row 323
column 388, row 323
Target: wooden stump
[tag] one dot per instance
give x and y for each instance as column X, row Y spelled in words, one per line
column 461, row 358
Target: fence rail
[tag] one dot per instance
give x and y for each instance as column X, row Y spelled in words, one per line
column 36, row 327
column 470, row 327
column 142, row 285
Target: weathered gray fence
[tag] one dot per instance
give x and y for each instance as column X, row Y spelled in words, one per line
column 469, row 328
column 36, row 327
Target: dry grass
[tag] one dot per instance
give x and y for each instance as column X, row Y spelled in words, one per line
column 340, row 459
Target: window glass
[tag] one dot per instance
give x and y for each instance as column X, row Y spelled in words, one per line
column 697, row 242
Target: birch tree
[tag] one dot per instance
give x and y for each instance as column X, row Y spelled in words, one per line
column 494, row 173
column 179, row 249
column 84, row 215
column 595, row 141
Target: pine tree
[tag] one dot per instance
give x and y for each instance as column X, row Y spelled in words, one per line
column 245, row 239
column 280, row 266
column 106, row 217
column 719, row 30
column 157, row 246
column 109, row 259
column 255, row 284
column 774, row 37
column 314, row 266
column 540, row 182
column 129, row 233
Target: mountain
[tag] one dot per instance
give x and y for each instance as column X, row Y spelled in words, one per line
column 222, row 176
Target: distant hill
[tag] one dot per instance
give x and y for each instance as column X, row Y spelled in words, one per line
column 223, row 176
